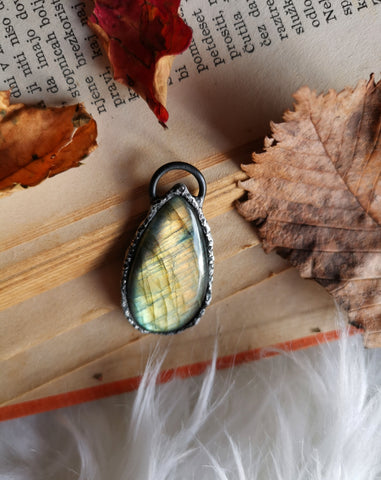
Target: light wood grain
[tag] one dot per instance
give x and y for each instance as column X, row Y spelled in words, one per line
column 50, row 268
column 106, row 344
column 372, row 339
column 61, row 322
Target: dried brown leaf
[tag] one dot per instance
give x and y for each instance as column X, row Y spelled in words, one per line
column 36, row 143
column 315, row 194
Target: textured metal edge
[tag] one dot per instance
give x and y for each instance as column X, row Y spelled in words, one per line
column 177, row 190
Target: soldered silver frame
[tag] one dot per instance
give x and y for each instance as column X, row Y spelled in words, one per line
column 196, row 204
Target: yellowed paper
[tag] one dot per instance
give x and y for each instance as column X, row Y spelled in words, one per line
column 61, row 242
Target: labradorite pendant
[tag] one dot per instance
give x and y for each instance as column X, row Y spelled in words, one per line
column 168, row 269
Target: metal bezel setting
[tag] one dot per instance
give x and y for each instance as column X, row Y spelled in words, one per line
column 196, row 204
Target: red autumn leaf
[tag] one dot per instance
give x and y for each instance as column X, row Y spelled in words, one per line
column 315, row 194
column 140, row 38
column 36, row 143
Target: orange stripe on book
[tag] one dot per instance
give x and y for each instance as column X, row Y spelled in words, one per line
column 122, row 386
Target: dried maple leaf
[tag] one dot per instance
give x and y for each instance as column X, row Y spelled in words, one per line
column 141, row 38
column 315, row 194
column 36, row 143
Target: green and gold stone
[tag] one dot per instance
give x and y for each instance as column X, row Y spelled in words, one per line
column 168, row 277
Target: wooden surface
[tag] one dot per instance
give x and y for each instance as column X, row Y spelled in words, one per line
column 61, row 326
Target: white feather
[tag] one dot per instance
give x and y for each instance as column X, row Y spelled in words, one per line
column 313, row 414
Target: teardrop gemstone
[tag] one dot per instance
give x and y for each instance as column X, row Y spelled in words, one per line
column 168, row 277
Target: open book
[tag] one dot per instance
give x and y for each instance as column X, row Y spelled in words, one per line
column 62, row 242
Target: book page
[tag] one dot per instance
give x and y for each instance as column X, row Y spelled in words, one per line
column 62, row 242
column 246, row 59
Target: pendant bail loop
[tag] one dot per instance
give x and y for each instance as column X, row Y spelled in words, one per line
column 179, row 166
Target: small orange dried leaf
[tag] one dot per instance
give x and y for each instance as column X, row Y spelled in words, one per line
column 141, row 39
column 315, row 194
column 36, row 143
